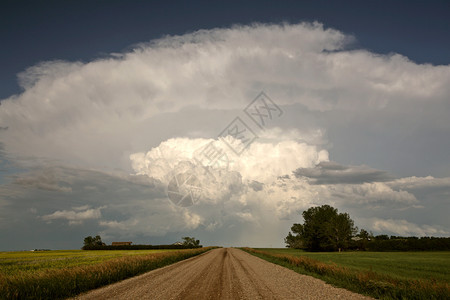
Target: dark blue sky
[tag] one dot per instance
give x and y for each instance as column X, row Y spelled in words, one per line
column 34, row 31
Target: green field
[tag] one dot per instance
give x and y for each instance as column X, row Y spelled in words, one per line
column 31, row 261
column 383, row 275
column 403, row 265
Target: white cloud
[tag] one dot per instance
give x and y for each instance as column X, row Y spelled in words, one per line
column 82, row 207
column 415, row 183
column 262, row 161
column 376, row 193
column 405, row 228
column 191, row 220
column 75, row 216
column 97, row 113
column 118, row 226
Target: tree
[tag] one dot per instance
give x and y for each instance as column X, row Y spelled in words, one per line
column 294, row 241
column 340, row 230
column 382, row 237
column 93, row 241
column 363, row 239
column 191, row 242
column 324, row 229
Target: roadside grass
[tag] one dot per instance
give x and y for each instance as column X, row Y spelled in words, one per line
column 355, row 272
column 63, row 277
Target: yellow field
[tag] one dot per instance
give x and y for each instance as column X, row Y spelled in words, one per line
column 61, row 274
column 26, row 261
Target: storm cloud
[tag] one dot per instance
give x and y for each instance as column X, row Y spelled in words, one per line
column 334, row 173
column 91, row 147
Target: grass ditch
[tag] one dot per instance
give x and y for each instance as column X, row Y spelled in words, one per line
column 365, row 282
column 67, row 282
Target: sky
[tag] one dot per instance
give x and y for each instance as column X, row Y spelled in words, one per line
column 149, row 121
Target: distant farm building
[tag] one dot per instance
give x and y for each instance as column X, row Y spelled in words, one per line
column 177, row 243
column 121, row 243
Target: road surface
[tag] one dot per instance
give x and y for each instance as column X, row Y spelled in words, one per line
column 225, row 273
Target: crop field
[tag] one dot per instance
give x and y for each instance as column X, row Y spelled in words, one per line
column 402, row 265
column 12, row 263
column 61, row 274
column 383, row 275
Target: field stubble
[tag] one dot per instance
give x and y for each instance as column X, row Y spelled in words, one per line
column 63, row 274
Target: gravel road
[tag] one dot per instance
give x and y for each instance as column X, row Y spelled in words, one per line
column 225, row 273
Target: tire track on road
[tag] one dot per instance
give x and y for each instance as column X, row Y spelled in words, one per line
column 225, row 273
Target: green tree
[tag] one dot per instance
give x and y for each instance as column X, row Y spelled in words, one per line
column 93, row 241
column 324, row 229
column 294, row 241
column 191, row 242
column 382, row 237
column 340, row 229
column 363, row 239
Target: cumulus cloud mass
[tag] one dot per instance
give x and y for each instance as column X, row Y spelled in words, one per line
column 98, row 147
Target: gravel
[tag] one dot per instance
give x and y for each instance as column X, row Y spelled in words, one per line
column 225, row 273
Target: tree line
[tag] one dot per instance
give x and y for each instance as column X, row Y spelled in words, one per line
column 325, row 229
column 96, row 243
